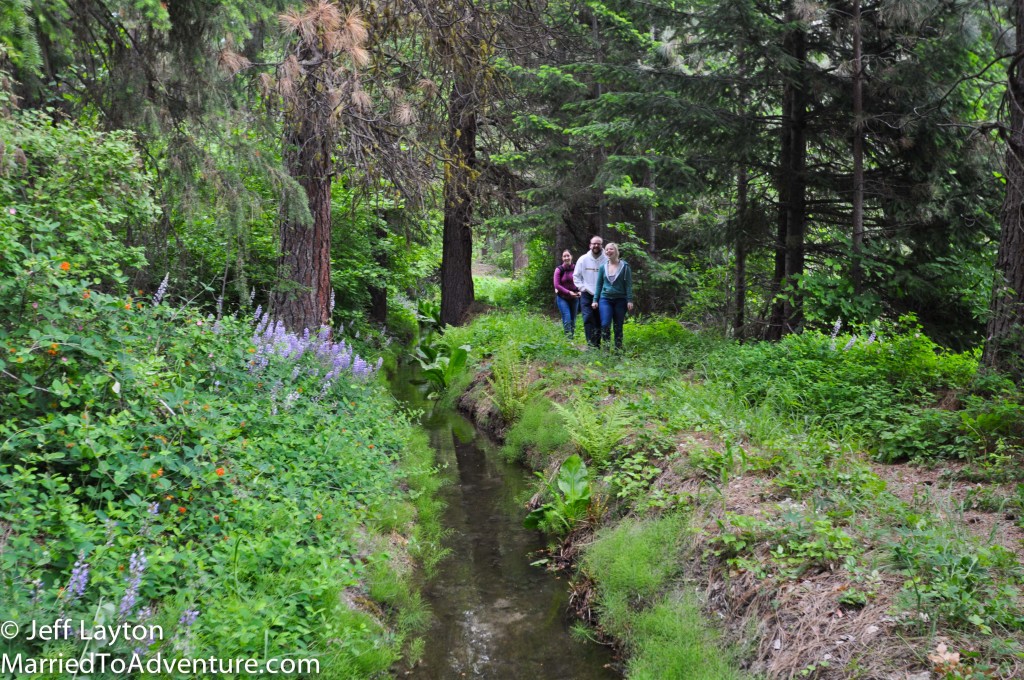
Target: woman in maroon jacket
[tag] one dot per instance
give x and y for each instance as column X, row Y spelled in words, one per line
column 567, row 297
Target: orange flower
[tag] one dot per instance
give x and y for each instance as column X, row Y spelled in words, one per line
column 371, row 446
column 85, row 295
column 64, row 266
column 181, row 509
column 216, row 518
column 220, row 472
column 319, row 516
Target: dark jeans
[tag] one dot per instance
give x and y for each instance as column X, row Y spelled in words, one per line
column 568, row 310
column 591, row 320
column 612, row 310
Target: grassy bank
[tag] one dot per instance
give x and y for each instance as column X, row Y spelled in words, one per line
column 841, row 506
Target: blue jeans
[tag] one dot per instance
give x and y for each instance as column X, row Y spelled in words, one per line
column 591, row 320
column 612, row 310
column 568, row 309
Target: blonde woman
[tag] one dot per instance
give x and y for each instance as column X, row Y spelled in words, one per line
column 614, row 294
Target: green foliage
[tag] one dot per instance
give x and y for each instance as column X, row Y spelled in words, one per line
column 510, row 384
column 440, row 363
column 570, row 499
column 494, row 290
column 596, row 430
column 976, row 587
column 634, row 565
column 533, row 336
column 131, row 429
column 540, row 430
column 635, row 560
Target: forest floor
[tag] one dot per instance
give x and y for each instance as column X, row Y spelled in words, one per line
column 814, row 558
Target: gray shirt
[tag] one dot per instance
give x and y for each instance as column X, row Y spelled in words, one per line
column 585, row 273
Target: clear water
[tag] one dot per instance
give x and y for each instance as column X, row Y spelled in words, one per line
column 495, row 616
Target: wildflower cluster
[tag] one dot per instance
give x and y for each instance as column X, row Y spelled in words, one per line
column 272, row 341
column 136, row 567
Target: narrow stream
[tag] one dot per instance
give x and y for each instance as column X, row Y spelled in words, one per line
column 495, row 616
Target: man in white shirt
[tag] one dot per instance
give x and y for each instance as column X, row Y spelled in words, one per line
column 585, row 278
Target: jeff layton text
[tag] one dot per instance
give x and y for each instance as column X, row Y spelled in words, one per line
column 62, row 629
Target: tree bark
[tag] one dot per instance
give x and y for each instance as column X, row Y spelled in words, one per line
column 303, row 299
column 786, row 314
column 379, row 293
column 858, row 154
column 519, row 259
column 1004, row 342
column 740, row 287
column 457, row 248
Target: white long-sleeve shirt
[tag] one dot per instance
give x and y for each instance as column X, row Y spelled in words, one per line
column 585, row 273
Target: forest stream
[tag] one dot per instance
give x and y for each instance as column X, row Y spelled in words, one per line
column 494, row 615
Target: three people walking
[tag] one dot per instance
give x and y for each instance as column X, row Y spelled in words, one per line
column 600, row 287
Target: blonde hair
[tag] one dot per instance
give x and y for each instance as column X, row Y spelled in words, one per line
column 612, row 244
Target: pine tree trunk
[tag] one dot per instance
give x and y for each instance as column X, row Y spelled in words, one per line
column 303, row 299
column 457, row 248
column 379, row 293
column 1004, row 343
column 740, row 292
column 519, row 259
column 792, row 186
column 650, row 223
column 858, row 154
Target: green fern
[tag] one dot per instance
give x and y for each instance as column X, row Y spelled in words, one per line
column 510, row 387
column 596, row 431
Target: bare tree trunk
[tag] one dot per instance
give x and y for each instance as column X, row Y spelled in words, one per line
column 457, row 248
column 789, row 255
column 379, row 293
column 649, row 216
column 740, row 287
column 303, row 298
column 1004, row 344
column 519, row 259
column 858, row 153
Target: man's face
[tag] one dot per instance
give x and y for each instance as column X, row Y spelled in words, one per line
column 595, row 247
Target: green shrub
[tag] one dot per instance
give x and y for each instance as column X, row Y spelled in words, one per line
column 540, row 429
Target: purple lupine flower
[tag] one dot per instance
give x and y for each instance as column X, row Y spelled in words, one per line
column 162, row 290
column 136, row 567
column 153, row 509
column 835, row 332
column 252, row 295
column 37, row 591
column 259, row 309
column 110, row 526
column 871, row 338
column 850, row 343
column 79, row 578
column 188, row 617
column 145, row 614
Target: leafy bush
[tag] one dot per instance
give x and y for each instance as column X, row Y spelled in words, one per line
column 570, row 499
column 540, row 429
